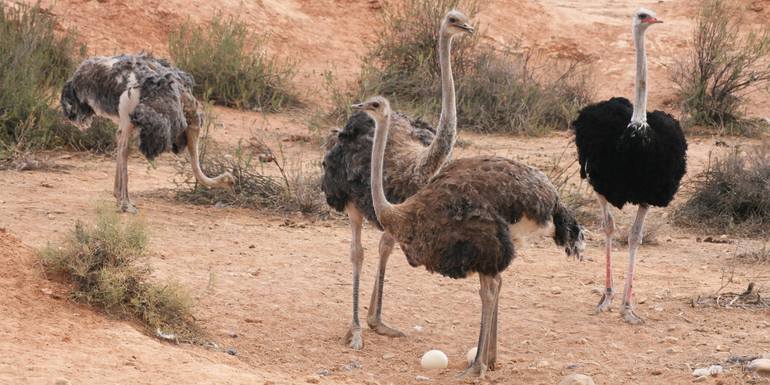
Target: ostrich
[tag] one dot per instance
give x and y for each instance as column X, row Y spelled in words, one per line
column 139, row 91
column 464, row 219
column 412, row 158
column 641, row 162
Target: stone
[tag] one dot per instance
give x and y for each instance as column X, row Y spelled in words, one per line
column 577, row 379
column 722, row 348
column 388, row 356
column 671, row 339
column 422, row 378
column 555, row 290
column 760, row 365
column 62, row 381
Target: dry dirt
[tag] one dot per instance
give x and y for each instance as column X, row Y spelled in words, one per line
column 288, row 297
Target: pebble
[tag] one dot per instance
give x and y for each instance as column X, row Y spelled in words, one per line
column 672, row 350
column 671, row 339
column 555, row 290
column 232, row 351
column 62, row 381
column 542, row 364
column 422, row 378
column 760, row 365
column 577, row 379
column 324, row 372
column 388, row 356
column 722, row 348
column 313, row 380
column 713, row 370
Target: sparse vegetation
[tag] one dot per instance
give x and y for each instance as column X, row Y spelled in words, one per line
column 104, row 262
column 759, row 255
column 732, row 194
column 293, row 189
column 231, row 66
column 724, row 63
column 34, row 62
column 498, row 91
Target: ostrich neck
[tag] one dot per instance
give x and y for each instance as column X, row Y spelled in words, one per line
column 640, row 86
column 441, row 147
column 381, row 205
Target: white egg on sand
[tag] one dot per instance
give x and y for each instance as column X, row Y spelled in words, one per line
column 471, row 355
column 434, row 359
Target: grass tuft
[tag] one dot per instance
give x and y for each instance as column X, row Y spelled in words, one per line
column 231, row 66
column 104, row 261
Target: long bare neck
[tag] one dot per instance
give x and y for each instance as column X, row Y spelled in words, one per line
column 381, row 205
column 640, row 85
column 441, row 147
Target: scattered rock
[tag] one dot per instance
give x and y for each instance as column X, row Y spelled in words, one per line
column 713, row 370
column 388, row 356
column 542, row 364
column 232, row 334
column 671, row 339
column 656, row 372
column 555, row 290
column 722, row 348
column 422, row 378
column 760, row 365
column 313, row 380
column 355, row 364
column 672, row 350
column 324, row 372
column 700, row 379
column 231, row 351
column 577, row 379
column 62, row 381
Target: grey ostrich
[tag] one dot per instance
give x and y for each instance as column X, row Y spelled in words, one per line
column 409, row 162
column 139, row 91
column 464, row 219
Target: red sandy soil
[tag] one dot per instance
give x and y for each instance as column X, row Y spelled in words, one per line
column 288, row 297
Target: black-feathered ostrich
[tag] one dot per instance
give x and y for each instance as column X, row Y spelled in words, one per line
column 641, row 162
column 139, row 91
column 464, row 219
column 410, row 163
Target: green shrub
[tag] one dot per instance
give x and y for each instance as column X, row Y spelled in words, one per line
column 231, row 66
column 497, row 91
column 34, row 62
column 722, row 65
column 733, row 194
column 104, row 263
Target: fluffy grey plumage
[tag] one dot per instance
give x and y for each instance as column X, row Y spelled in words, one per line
column 99, row 82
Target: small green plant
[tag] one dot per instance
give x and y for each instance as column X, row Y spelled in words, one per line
column 104, row 261
column 35, row 60
column 732, row 194
column 497, row 90
column 231, row 66
column 724, row 63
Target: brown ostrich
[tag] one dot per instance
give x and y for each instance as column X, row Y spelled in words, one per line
column 464, row 219
column 141, row 94
column 412, row 158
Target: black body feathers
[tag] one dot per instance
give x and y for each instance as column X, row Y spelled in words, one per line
column 629, row 165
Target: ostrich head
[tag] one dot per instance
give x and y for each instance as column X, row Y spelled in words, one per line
column 455, row 22
column 78, row 112
column 377, row 107
column 644, row 18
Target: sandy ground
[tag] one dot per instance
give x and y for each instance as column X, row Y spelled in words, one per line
column 285, row 290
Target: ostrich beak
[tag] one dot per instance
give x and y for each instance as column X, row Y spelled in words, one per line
column 467, row 28
column 651, row 20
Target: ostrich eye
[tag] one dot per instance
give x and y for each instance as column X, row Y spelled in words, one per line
column 376, row 105
column 643, row 15
column 453, row 19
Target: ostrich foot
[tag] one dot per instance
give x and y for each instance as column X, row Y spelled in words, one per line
column 605, row 302
column 353, row 338
column 127, row 207
column 380, row 328
column 475, row 370
column 630, row 316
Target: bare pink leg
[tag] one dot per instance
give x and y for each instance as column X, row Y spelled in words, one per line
column 608, row 224
column 634, row 240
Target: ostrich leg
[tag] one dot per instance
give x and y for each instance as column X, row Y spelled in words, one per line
column 374, row 317
column 488, row 292
column 609, row 227
column 492, row 354
column 634, row 240
column 353, row 336
column 128, row 101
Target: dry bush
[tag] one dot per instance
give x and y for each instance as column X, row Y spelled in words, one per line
column 756, row 256
column 231, row 66
column 104, row 262
column 35, row 60
column 296, row 189
column 724, row 63
column 577, row 195
column 498, row 91
column 732, row 194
